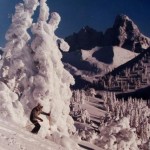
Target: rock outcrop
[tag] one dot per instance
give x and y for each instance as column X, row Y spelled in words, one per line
column 86, row 38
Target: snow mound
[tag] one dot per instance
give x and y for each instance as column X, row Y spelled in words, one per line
column 118, row 136
column 10, row 106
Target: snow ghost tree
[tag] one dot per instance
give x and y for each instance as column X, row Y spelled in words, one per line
column 17, row 62
column 32, row 70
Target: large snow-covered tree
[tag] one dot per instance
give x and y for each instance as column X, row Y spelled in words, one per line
column 32, row 70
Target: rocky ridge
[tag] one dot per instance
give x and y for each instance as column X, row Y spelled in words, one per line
column 124, row 33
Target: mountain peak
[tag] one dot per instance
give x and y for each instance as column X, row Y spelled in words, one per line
column 126, row 34
column 124, row 21
column 87, row 30
column 123, row 17
column 86, row 38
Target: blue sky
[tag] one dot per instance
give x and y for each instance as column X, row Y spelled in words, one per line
column 75, row 14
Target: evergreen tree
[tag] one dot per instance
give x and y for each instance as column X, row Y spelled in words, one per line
column 35, row 68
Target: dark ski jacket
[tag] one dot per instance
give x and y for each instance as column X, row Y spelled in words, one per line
column 36, row 111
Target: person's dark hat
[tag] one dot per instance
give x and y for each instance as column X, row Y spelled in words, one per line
column 39, row 105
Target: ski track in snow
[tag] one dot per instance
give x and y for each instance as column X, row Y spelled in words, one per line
column 15, row 138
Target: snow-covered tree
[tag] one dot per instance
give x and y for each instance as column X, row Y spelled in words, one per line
column 92, row 92
column 33, row 72
column 82, row 96
column 17, row 61
column 136, row 119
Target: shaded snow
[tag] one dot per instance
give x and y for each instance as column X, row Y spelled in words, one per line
column 94, row 108
column 89, row 146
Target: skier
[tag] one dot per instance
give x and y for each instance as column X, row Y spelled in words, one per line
column 36, row 111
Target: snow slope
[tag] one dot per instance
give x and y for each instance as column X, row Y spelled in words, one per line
column 110, row 57
column 13, row 137
column 16, row 138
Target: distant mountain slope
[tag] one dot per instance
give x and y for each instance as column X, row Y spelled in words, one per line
column 143, row 93
column 124, row 33
column 96, row 62
column 144, row 55
column 112, row 56
column 131, row 76
column 87, row 61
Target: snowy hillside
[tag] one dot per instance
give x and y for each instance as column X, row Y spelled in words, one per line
column 117, row 124
column 96, row 62
column 111, row 56
column 13, row 137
